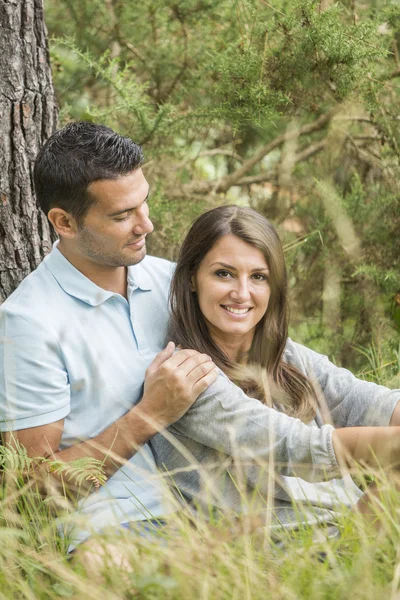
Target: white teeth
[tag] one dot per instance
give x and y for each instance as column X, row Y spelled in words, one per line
column 237, row 311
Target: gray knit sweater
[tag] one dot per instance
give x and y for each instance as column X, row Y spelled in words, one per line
column 233, row 452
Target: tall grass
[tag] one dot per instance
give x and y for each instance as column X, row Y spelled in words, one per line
column 232, row 557
column 222, row 561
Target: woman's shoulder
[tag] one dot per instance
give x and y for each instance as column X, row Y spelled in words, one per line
column 302, row 357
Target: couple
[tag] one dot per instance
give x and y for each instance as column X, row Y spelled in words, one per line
column 83, row 332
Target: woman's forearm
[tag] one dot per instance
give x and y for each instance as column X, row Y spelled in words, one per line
column 371, row 446
column 395, row 420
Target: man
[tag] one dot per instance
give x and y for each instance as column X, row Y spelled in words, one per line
column 82, row 332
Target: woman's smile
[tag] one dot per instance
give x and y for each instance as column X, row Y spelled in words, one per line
column 236, row 311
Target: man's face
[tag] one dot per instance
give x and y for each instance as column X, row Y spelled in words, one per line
column 114, row 229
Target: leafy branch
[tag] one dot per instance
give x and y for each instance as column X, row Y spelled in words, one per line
column 14, row 459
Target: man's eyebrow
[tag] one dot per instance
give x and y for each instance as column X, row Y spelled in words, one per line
column 232, row 268
column 127, row 210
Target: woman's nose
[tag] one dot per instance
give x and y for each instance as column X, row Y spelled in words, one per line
column 240, row 292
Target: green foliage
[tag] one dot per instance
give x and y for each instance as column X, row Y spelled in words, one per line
column 14, row 459
column 318, row 51
column 79, row 470
column 205, row 85
column 128, row 94
column 380, row 370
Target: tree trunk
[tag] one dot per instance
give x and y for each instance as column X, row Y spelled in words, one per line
column 28, row 116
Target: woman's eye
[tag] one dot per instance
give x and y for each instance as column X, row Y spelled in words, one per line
column 260, row 277
column 223, row 274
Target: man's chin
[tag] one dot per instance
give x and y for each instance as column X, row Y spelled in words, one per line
column 136, row 257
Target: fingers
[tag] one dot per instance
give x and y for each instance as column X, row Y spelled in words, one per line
column 204, row 382
column 163, row 356
column 180, row 363
column 199, row 371
column 186, row 360
column 174, row 381
column 188, row 367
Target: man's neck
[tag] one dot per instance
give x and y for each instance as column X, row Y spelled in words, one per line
column 112, row 279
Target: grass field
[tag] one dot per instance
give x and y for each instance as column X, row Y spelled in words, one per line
column 233, row 558
column 216, row 561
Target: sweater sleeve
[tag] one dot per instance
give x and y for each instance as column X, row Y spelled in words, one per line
column 350, row 401
column 225, row 419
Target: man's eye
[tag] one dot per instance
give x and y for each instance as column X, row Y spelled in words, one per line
column 121, row 218
column 223, row 274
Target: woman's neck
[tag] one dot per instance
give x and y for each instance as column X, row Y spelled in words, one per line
column 235, row 347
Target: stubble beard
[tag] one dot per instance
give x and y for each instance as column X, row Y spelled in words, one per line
column 101, row 257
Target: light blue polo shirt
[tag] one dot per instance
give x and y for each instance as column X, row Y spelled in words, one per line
column 72, row 350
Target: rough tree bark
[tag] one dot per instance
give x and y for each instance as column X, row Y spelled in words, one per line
column 28, row 116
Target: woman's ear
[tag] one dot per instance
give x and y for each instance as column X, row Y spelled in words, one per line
column 192, row 283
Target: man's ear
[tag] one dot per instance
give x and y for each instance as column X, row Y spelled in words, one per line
column 63, row 222
column 192, row 284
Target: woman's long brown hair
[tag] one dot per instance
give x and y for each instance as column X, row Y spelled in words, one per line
column 265, row 374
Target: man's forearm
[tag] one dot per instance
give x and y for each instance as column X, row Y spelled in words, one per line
column 114, row 445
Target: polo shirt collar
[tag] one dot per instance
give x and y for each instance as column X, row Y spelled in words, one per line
column 139, row 278
column 74, row 283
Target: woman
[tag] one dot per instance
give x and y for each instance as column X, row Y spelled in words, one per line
column 264, row 429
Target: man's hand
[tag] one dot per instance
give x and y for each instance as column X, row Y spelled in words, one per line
column 173, row 382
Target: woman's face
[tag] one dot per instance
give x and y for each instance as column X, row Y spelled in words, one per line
column 232, row 290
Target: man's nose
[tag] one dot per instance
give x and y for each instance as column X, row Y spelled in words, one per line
column 143, row 224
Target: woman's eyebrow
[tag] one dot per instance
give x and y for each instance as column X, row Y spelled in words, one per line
column 232, row 268
column 125, row 210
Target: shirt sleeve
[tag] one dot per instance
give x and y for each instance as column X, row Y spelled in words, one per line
column 351, row 402
column 226, row 419
column 34, row 387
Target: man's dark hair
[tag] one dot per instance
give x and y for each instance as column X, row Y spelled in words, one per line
column 74, row 157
